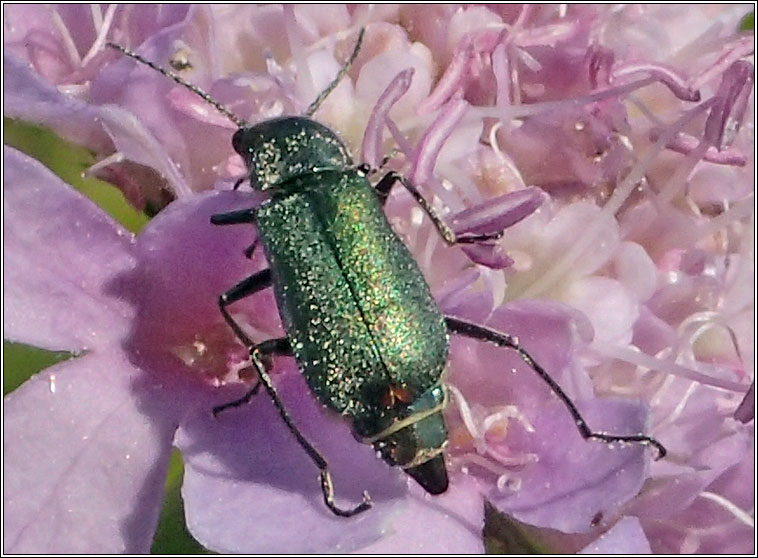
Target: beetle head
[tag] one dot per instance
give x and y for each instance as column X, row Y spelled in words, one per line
column 279, row 149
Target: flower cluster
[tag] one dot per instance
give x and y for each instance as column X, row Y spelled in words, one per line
column 612, row 143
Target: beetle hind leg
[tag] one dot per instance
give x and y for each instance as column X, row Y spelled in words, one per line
column 481, row 333
column 327, row 486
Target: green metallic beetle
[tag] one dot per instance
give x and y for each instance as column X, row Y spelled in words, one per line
column 359, row 316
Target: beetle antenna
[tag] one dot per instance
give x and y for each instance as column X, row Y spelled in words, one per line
column 341, row 74
column 194, row 88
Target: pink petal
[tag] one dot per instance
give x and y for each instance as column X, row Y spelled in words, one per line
column 626, row 537
column 451, row 523
column 428, row 148
column 62, row 253
column 86, row 445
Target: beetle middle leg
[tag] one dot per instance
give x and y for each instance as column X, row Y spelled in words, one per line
column 481, row 333
column 383, row 188
column 245, row 288
column 278, row 346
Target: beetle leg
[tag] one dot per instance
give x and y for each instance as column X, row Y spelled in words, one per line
column 480, row 333
column 366, row 169
column 234, row 217
column 251, row 249
column 327, row 487
column 383, row 188
column 277, row 346
column 246, row 287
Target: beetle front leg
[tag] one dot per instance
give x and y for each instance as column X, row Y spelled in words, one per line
column 236, row 218
column 383, row 188
column 454, row 325
column 246, row 287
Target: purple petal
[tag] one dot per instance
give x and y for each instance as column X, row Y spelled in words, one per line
column 574, row 479
column 721, row 517
column 29, row 98
column 725, row 117
column 552, row 332
column 493, row 256
column 249, row 486
column 676, row 486
column 626, row 537
column 137, row 144
column 652, row 334
column 372, row 138
column 61, row 255
column 499, row 213
column 451, row 523
column 86, row 446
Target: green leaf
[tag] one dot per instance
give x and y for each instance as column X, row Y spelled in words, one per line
column 747, row 23
column 21, row 362
column 172, row 536
column 69, row 161
column 505, row 535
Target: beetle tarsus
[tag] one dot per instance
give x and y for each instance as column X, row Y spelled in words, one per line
column 327, row 489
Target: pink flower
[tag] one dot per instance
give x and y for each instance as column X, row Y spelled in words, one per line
column 612, row 144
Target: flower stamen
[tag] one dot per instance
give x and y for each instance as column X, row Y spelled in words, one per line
column 68, row 41
column 482, row 433
column 103, row 25
column 741, row 515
